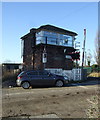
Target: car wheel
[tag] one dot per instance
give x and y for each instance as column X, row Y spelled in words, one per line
column 59, row 83
column 25, row 85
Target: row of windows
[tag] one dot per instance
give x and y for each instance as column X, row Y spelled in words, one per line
column 53, row 38
column 54, row 41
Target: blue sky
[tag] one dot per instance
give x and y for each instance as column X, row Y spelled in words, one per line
column 19, row 17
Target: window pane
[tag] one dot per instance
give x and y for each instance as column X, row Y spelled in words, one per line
column 43, row 73
column 32, row 73
column 53, row 38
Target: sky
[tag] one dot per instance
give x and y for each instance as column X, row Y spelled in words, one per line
column 19, row 17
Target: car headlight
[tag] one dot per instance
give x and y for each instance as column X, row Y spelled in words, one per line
column 66, row 78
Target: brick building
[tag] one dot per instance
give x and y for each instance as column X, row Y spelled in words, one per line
column 48, row 47
column 11, row 67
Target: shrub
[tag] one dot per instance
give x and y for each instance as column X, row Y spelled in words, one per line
column 9, row 76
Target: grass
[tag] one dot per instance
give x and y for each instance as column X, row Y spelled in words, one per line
column 93, row 110
column 94, row 74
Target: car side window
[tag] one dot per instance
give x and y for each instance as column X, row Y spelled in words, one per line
column 43, row 73
column 32, row 73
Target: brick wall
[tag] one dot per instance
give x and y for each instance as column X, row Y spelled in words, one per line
column 55, row 58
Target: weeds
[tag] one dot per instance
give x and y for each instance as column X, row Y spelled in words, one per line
column 9, row 76
column 94, row 74
column 93, row 110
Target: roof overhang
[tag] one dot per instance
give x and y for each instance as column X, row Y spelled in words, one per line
column 50, row 28
column 56, row 29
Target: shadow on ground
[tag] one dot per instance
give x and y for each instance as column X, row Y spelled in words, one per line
column 89, row 81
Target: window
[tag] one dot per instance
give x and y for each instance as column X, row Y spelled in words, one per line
column 8, row 67
column 54, row 38
column 43, row 73
column 16, row 67
column 51, row 40
column 22, row 48
column 40, row 39
column 32, row 73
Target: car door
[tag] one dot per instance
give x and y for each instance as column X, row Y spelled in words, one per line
column 34, row 78
column 47, row 79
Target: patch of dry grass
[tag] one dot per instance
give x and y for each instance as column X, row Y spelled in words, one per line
column 93, row 110
column 94, row 74
column 8, row 76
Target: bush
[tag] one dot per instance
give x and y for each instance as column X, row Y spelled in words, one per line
column 94, row 74
column 93, row 110
column 9, row 76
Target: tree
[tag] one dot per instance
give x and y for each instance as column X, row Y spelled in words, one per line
column 97, row 49
column 89, row 57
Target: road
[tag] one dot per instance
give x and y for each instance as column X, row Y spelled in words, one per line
column 77, row 100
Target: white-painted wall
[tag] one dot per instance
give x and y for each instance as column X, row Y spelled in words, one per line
column 74, row 74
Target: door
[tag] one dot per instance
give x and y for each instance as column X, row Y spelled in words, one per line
column 34, row 78
column 47, row 79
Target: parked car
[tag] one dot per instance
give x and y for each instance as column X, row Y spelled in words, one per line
column 40, row 77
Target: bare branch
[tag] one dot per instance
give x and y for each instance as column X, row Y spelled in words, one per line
column 97, row 48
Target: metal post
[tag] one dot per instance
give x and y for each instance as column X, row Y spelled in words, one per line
column 77, row 49
column 83, row 51
column 84, row 47
column 76, row 63
column 85, row 58
column 46, row 41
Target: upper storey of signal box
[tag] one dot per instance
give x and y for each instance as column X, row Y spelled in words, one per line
column 51, row 35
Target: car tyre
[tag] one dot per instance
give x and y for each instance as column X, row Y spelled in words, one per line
column 59, row 83
column 26, row 85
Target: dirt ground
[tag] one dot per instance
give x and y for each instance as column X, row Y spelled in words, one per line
column 65, row 102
